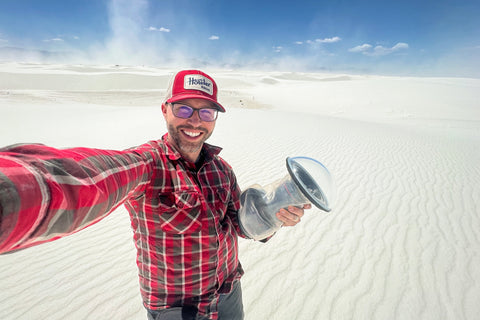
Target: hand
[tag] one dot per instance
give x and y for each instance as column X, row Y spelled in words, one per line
column 292, row 215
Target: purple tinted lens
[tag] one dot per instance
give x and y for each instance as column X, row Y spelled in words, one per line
column 182, row 111
column 207, row 114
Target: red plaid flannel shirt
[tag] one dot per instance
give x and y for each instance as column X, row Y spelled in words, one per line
column 184, row 218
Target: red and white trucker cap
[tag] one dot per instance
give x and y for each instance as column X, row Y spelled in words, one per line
column 193, row 84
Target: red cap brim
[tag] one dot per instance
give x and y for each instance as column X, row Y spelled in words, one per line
column 184, row 96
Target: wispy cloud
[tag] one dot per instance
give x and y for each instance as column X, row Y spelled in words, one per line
column 129, row 41
column 369, row 50
column 328, row 40
column 381, row 51
column 277, row 48
column 161, row 29
column 320, row 41
column 53, row 40
column 362, row 48
column 214, row 37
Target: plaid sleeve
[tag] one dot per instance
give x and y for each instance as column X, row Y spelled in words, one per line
column 47, row 193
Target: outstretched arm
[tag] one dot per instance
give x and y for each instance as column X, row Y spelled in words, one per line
column 47, row 193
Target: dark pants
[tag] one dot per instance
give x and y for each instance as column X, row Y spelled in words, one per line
column 230, row 307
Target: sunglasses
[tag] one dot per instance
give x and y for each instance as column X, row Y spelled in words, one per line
column 183, row 111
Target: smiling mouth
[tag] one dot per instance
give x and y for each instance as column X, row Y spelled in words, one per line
column 192, row 134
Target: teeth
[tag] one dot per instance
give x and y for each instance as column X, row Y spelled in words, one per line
column 192, row 134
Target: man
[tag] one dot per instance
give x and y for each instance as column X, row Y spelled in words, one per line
column 182, row 198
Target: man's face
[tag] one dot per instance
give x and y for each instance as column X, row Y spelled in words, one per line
column 188, row 135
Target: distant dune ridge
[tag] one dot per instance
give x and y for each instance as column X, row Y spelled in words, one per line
column 402, row 241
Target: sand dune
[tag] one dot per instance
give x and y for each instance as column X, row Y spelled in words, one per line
column 403, row 240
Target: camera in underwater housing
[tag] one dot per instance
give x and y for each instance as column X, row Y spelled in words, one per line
column 308, row 181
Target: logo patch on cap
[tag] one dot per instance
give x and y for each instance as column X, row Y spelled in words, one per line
column 198, row 82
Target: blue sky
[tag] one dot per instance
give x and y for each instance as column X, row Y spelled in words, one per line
column 409, row 37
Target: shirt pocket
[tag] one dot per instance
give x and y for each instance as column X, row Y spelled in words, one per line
column 180, row 212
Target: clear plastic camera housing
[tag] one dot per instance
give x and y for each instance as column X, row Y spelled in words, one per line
column 308, row 181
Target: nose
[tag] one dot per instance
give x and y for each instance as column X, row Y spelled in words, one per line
column 195, row 118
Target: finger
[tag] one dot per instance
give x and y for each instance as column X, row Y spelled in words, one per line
column 307, row 206
column 296, row 211
column 287, row 218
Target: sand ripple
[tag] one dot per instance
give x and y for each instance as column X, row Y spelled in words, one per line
column 403, row 241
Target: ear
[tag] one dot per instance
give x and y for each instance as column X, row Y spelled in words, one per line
column 164, row 109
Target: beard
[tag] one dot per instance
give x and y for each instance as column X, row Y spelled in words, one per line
column 185, row 145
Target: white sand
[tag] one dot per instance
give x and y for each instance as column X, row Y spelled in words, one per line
column 403, row 241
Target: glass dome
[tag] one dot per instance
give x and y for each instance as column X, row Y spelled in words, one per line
column 314, row 180
column 308, row 181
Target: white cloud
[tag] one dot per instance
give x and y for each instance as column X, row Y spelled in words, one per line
column 320, row 41
column 366, row 49
column 161, row 29
column 328, row 40
column 3, row 40
column 299, row 42
column 213, row 37
column 363, row 48
column 277, row 49
column 399, row 46
column 54, row 40
column 381, row 51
